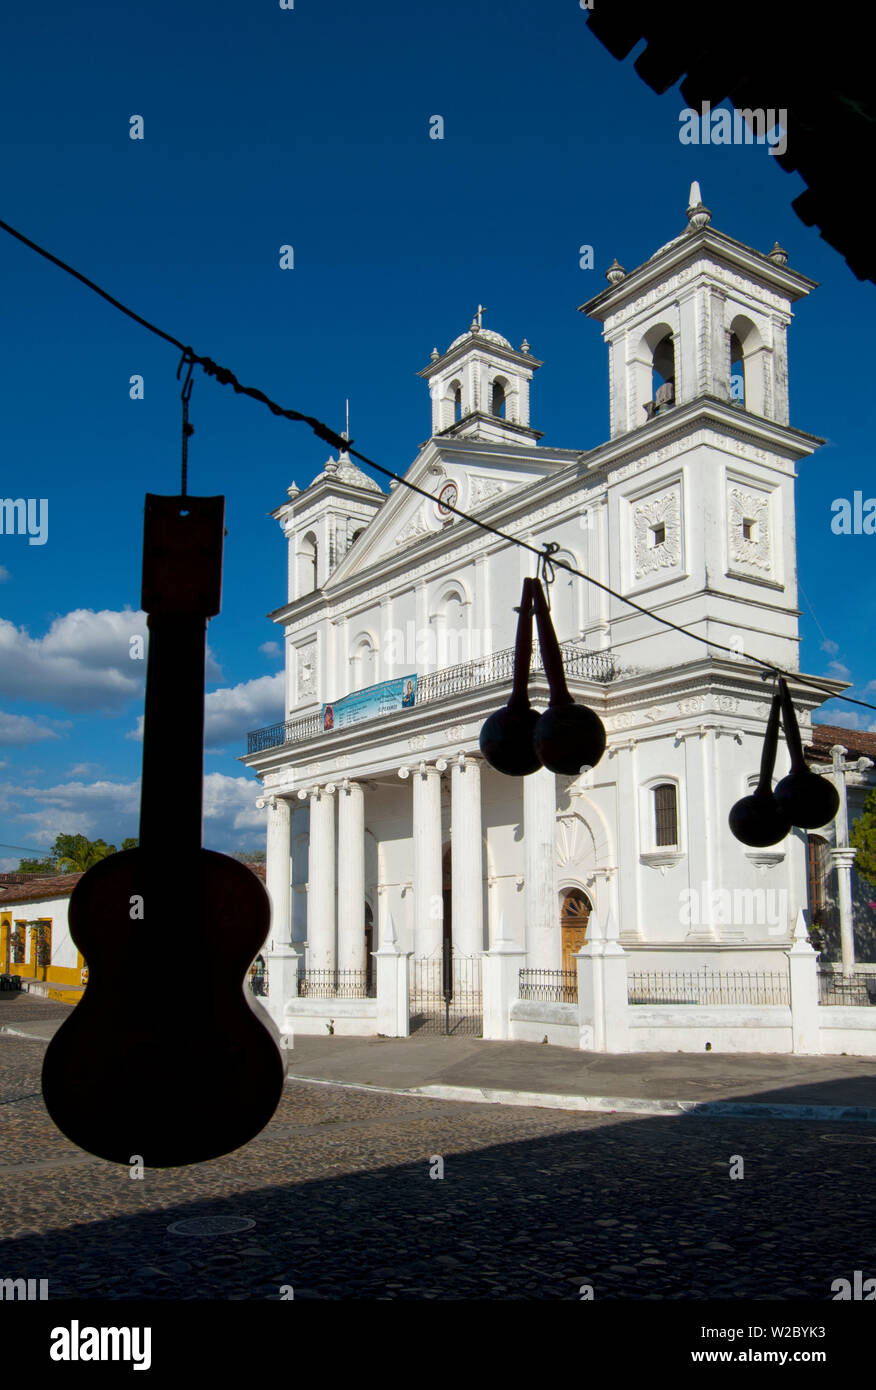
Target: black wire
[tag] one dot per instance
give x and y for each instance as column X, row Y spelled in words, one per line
column 227, row 378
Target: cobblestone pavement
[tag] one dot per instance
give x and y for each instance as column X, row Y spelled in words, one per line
column 533, row 1204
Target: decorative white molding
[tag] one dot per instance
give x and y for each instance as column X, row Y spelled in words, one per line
column 662, row 511
column 753, row 507
column 662, row 859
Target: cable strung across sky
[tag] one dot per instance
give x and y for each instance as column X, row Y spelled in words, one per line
column 340, row 442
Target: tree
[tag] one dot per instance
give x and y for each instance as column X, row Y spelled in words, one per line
column 72, row 854
column 863, row 837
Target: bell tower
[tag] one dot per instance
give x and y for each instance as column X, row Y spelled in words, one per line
column 704, row 316
column 701, row 461
column 480, row 387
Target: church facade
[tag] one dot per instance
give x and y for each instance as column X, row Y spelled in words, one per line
column 387, row 831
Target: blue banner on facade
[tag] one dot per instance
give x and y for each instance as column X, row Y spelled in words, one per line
column 370, row 703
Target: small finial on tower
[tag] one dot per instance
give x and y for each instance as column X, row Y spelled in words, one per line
column 615, row 272
column 698, row 215
column 435, row 354
column 778, row 255
column 477, row 322
column 524, row 346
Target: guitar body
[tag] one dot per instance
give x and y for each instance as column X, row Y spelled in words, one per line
column 165, row 1056
column 166, row 1060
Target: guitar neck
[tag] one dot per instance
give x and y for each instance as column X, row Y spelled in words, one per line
column 171, row 798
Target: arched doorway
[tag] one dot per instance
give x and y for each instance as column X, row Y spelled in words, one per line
column 575, row 912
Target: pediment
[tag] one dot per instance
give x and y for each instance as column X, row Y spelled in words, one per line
column 479, row 478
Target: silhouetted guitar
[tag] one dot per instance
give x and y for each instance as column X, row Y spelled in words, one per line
column 165, row 1056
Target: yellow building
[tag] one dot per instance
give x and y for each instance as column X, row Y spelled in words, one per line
column 35, row 940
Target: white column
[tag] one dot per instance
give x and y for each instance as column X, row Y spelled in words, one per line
column 321, row 884
column 466, row 856
column 544, row 949
column 428, row 899
column 351, row 877
column 278, row 867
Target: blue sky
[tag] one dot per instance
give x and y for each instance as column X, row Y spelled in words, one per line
column 310, row 127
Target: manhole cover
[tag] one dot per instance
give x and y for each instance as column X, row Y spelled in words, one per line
column 211, row 1226
column 848, row 1138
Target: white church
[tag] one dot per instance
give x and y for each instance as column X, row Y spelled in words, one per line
column 613, row 910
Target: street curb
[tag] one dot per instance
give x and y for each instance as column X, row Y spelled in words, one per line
column 729, row 1109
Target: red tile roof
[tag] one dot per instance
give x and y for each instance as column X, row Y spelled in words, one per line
column 824, row 736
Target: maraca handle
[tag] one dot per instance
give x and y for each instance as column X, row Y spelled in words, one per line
column 770, row 745
column 522, row 649
column 792, row 731
column 550, row 650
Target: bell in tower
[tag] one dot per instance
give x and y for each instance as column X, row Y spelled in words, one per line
column 705, row 316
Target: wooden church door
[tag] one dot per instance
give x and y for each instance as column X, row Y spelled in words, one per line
column 574, row 916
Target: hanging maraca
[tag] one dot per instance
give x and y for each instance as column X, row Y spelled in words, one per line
column 506, row 736
column 568, row 737
column 808, row 800
column 759, row 820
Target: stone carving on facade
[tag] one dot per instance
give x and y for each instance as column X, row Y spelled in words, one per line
column 749, row 508
column 455, row 733
column 663, row 512
column 574, row 840
column 480, row 488
column 726, row 704
column 695, row 705
column 307, row 669
column 416, row 742
column 415, row 528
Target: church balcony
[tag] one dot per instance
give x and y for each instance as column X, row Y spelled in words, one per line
column 496, row 669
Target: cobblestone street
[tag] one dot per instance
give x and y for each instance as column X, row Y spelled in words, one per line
column 533, row 1203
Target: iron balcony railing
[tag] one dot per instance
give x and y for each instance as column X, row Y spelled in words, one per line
column 451, row 680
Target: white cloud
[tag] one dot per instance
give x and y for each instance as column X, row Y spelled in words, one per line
column 830, row 647
column 107, row 809
column 229, row 714
column 82, row 663
column 17, row 730
column 271, row 649
column 111, row 810
column 4, row 574
column 838, row 670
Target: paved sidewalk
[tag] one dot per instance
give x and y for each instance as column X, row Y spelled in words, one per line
column 535, row 1074
column 516, row 1073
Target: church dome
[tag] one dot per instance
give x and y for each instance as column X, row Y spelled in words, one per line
column 487, row 333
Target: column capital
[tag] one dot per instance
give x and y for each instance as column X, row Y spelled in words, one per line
column 272, row 800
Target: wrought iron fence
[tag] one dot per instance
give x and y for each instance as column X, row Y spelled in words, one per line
column 451, row 680
column 835, row 989
column 444, row 999
column 336, row 984
column 553, row 986
column 708, row 987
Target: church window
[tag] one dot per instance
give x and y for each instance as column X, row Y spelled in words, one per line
column 457, row 402
column 498, row 400
column 749, row 528
column 658, row 534
column 665, row 815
